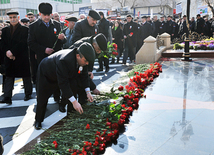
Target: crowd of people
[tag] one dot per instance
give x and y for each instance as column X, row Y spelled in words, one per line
column 59, row 59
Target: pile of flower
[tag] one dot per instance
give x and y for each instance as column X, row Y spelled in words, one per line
column 111, row 51
column 91, row 132
column 207, row 44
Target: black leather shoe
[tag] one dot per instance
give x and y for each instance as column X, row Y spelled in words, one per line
column 112, row 62
column 62, row 108
column 107, row 69
column 99, row 69
column 38, row 125
column 6, row 100
column 27, row 97
column 1, row 145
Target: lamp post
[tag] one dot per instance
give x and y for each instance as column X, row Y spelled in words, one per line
column 186, row 54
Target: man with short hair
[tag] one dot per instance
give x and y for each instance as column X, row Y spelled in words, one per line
column 200, row 25
column 31, row 17
column 68, row 31
column 67, row 69
column 151, row 23
column 86, row 27
column 81, row 17
column 33, row 61
column 14, row 45
column 157, row 24
column 170, row 27
column 57, row 18
column 109, row 20
column 45, row 38
column 146, row 29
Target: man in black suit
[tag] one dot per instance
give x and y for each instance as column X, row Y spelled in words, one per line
column 170, row 27
column 162, row 25
column 157, row 27
column 130, row 35
column 15, row 48
column 103, row 28
column 99, row 43
column 146, row 29
column 200, row 25
column 67, row 69
column 86, row 27
column 43, row 39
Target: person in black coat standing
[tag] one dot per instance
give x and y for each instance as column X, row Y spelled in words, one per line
column 162, row 25
column 157, row 24
column 103, row 28
column 170, row 27
column 146, row 29
column 14, row 42
column 86, row 27
column 2, row 66
column 200, row 25
column 130, row 35
column 67, row 69
column 117, row 37
column 45, row 38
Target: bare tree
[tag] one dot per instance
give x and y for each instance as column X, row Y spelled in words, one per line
column 210, row 4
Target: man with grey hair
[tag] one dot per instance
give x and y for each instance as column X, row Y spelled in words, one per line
column 57, row 18
column 81, row 17
column 86, row 27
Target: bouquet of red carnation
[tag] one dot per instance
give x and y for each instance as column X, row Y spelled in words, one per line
column 110, row 52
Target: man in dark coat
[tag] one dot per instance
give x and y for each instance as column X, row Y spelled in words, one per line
column 170, row 27
column 33, row 61
column 99, row 43
column 139, row 40
column 67, row 69
column 183, row 28
column 130, row 35
column 14, row 41
column 192, row 24
column 68, row 31
column 162, row 25
column 103, row 28
column 146, row 29
column 151, row 23
column 86, row 27
column 157, row 24
column 200, row 25
column 42, row 38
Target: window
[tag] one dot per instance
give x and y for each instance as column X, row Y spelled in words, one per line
column 4, row 1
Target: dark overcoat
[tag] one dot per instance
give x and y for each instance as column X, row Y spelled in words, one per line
column 17, row 44
column 83, row 29
column 42, row 37
column 131, row 27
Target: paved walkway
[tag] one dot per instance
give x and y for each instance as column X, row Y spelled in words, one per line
column 177, row 116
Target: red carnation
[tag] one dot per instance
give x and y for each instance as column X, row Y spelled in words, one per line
column 136, row 100
column 121, row 122
column 131, row 33
column 123, row 117
column 135, row 106
column 120, row 88
column 87, row 126
column 115, row 126
column 66, row 23
column 115, row 46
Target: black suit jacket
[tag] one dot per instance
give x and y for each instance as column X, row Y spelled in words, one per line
column 162, row 27
column 146, row 30
column 128, row 28
column 83, row 29
column 17, row 44
column 41, row 37
column 61, row 67
column 103, row 27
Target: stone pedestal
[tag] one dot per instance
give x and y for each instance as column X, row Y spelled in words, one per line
column 166, row 39
column 147, row 52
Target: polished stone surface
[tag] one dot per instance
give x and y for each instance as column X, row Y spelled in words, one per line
column 177, row 117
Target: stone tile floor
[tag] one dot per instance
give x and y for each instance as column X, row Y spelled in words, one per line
column 177, row 117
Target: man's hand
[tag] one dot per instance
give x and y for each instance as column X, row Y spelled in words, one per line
column 90, row 97
column 49, row 51
column 130, row 35
column 77, row 107
column 9, row 54
column 113, row 39
column 172, row 34
column 91, row 75
column 202, row 33
column 96, row 91
column 35, row 56
column 61, row 36
column 125, row 37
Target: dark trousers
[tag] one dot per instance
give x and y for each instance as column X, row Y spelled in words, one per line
column 129, row 51
column 9, row 83
column 106, row 62
column 3, row 82
column 33, row 66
